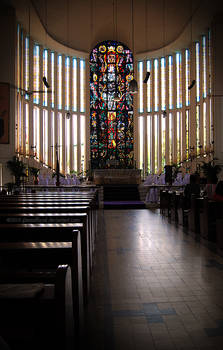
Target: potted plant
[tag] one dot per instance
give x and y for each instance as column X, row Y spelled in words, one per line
column 17, row 169
column 35, row 172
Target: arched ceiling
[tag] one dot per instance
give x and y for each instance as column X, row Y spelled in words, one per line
column 81, row 24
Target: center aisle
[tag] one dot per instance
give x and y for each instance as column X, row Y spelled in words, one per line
column 153, row 287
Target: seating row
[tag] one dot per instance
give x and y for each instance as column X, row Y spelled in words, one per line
column 42, row 235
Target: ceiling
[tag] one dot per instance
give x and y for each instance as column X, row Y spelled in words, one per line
column 81, row 24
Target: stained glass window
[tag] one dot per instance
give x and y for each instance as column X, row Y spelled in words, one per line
column 149, row 140
column 178, row 137
column 52, row 79
column 59, row 81
column 204, row 62
column 74, row 140
column 156, row 85
column 179, row 79
column 27, row 128
column 163, row 135
column 170, row 82
column 149, row 83
column 18, row 56
column 141, row 142
column 210, row 61
column 205, row 126
column 140, row 69
column 198, row 129
column 67, row 83
column 74, row 85
column 67, row 140
column 53, row 164
column 163, row 84
column 187, row 131
column 27, row 66
column 187, row 76
column 197, row 51
column 170, row 138
column 36, row 132
column 45, row 74
column 111, row 70
column 45, row 136
column 36, row 73
column 156, row 142
column 60, row 140
column 82, row 140
column 82, row 85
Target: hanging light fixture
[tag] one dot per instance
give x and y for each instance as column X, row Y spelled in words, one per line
column 133, row 86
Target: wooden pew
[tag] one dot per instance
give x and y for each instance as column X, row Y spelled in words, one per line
column 36, row 310
column 54, row 232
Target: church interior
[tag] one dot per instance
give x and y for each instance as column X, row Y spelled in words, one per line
column 111, row 174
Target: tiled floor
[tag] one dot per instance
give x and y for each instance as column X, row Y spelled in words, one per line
column 153, row 287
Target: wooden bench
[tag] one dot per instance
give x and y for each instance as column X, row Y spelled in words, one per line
column 36, row 310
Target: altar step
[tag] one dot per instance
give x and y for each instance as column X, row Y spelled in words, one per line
column 122, row 197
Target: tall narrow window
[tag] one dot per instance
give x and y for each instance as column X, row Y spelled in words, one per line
column 198, row 129
column 163, row 84
column 74, row 141
column 67, row 138
column 178, row 137
column 179, row 79
column 140, row 70
column 60, row 140
column 53, row 165
column 163, row 132
column 211, row 123
column 149, row 138
column 45, row 74
column 52, row 79
column 45, row 136
column 82, row 85
column 187, row 133
column 156, row 85
column 36, row 73
column 27, row 129
column 149, row 90
column 27, row 67
column 74, row 85
column 197, row 53
column 170, row 138
column 156, row 142
column 18, row 56
column 204, row 62
column 187, row 76
column 67, row 83
column 170, row 82
column 82, row 140
column 59, row 81
column 209, row 63
column 36, row 133
column 141, row 143
column 205, row 126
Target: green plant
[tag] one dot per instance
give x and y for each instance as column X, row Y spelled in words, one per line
column 17, row 169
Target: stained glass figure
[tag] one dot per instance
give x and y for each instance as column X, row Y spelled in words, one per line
column 111, row 70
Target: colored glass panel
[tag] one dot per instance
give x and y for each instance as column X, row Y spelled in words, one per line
column 197, row 54
column 204, row 62
column 178, row 137
column 36, row 132
column 149, row 142
column 187, row 76
column 82, row 140
column 27, row 129
column 67, row 140
column 111, row 133
column 171, row 138
column 204, row 126
column 170, row 82
column 141, row 142
column 53, row 164
column 163, row 84
column 45, row 136
column 74, row 85
column 45, row 74
column 27, row 67
column 67, row 83
column 156, row 142
column 209, row 62
column 82, row 85
column 156, row 85
column 59, row 81
column 163, row 135
column 52, row 79
column 187, row 131
column 60, row 140
column 140, row 69
column 179, row 79
column 74, row 140
column 36, row 73
column 198, row 129
column 149, row 88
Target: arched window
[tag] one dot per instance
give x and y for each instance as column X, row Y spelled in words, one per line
column 111, row 140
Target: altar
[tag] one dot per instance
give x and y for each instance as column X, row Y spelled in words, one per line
column 116, row 176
